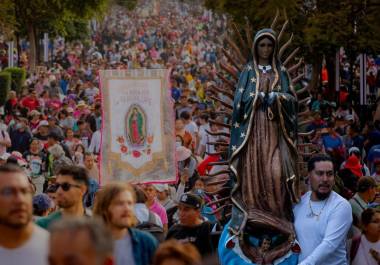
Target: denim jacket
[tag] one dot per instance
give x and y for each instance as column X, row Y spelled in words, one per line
column 144, row 246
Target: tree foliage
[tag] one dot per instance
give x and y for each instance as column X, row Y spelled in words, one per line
column 321, row 24
column 67, row 18
column 18, row 76
column 7, row 19
column 5, row 86
column 129, row 4
column 321, row 27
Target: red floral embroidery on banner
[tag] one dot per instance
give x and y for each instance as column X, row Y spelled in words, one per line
column 136, row 153
column 121, row 139
column 123, row 149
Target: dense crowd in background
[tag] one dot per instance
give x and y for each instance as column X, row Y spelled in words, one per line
column 52, row 130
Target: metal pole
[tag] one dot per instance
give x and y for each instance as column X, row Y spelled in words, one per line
column 10, row 54
column 363, row 79
column 46, row 47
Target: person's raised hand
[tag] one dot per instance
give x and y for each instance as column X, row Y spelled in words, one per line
column 184, row 178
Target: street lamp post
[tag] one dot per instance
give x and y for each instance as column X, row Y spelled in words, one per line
column 10, row 53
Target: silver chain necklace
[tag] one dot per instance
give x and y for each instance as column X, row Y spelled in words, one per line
column 312, row 214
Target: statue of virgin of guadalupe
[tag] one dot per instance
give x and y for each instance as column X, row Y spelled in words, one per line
column 263, row 160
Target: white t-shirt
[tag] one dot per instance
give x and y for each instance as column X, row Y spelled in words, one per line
column 192, row 128
column 91, row 92
column 142, row 214
column 202, row 130
column 33, row 252
column 210, row 148
column 95, row 142
column 363, row 256
column 323, row 240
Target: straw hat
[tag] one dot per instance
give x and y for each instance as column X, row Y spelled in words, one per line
column 34, row 112
column 182, row 153
column 81, row 103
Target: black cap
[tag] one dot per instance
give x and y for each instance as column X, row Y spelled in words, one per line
column 191, row 200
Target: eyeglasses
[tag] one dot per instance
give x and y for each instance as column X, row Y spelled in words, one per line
column 66, row 186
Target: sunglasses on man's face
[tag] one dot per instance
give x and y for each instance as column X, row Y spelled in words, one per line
column 66, row 186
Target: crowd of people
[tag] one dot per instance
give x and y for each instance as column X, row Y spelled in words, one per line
column 50, row 144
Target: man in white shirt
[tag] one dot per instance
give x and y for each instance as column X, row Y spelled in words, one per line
column 203, row 128
column 95, row 142
column 190, row 126
column 204, row 147
column 322, row 218
column 90, row 91
column 21, row 241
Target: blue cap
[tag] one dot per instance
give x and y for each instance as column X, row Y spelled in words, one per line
column 42, row 202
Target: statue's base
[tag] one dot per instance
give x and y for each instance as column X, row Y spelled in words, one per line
column 230, row 252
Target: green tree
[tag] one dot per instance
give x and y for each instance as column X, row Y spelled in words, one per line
column 18, row 76
column 68, row 18
column 129, row 4
column 37, row 15
column 7, row 20
column 5, row 86
column 321, row 27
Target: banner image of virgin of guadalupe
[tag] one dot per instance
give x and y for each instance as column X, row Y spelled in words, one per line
column 136, row 126
column 138, row 143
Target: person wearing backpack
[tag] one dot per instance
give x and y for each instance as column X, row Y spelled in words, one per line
column 366, row 193
column 154, row 205
column 148, row 221
column 365, row 249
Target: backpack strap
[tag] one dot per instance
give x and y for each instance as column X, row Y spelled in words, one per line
column 354, row 247
column 151, row 218
column 358, row 203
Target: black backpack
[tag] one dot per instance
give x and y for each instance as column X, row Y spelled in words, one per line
column 151, row 227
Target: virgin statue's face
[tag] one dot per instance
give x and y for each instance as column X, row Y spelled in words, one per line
column 264, row 48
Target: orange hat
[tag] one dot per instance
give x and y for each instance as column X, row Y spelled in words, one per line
column 353, row 164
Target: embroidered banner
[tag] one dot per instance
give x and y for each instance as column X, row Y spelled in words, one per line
column 138, row 143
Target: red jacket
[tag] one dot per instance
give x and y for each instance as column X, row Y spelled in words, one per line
column 204, row 166
column 30, row 103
